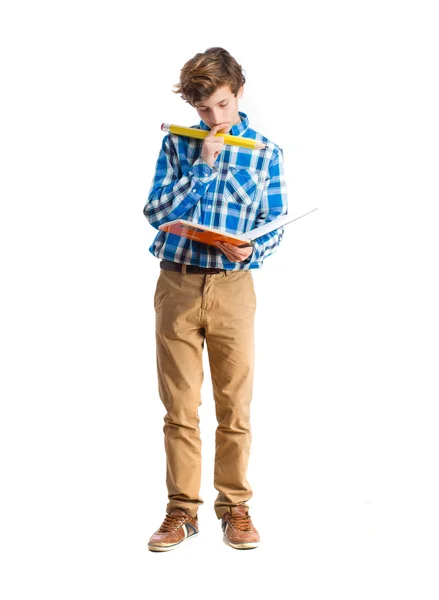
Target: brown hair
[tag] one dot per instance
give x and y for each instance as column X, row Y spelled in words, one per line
column 203, row 74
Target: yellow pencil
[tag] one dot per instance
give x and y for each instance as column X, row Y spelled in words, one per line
column 200, row 134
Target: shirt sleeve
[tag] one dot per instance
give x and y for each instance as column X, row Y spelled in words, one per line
column 173, row 192
column 274, row 204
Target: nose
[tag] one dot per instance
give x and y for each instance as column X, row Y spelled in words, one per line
column 216, row 118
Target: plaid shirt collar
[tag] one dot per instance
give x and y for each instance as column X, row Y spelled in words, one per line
column 236, row 129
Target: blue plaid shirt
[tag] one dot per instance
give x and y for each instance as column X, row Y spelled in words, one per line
column 243, row 190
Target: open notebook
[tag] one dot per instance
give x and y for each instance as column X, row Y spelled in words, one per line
column 209, row 235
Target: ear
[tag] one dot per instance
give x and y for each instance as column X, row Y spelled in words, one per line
column 240, row 92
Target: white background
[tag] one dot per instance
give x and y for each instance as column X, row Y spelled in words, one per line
column 345, row 444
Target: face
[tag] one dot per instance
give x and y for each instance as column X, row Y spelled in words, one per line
column 220, row 107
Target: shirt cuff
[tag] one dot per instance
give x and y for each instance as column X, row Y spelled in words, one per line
column 201, row 171
column 256, row 252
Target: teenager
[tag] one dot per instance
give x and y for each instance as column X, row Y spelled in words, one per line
column 206, row 294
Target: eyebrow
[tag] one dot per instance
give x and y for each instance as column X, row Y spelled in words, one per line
column 204, row 106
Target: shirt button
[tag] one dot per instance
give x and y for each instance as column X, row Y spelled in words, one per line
column 194, row 189
column 209, row 206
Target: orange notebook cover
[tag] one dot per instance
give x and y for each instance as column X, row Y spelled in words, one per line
column 209, row 235
column 202, row 233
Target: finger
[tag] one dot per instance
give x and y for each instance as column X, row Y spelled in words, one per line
column 231, row 248
column 216, row 128
column 231, row 255
column 223, row 249
column 214, row 142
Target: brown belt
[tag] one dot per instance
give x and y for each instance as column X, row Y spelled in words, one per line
column 173, row 266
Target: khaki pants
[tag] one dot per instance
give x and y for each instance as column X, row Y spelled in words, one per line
column 219, row 308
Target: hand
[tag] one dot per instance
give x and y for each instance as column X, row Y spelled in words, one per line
column 212, row 145
column 234, row 253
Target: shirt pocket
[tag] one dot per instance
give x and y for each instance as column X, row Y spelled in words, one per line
column 240, row 185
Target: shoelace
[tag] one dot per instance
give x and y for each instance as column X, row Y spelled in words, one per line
column 243, row 523
column 171, row 522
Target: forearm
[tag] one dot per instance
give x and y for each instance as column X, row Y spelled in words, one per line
column 274, row 204
column 266, row 245
column 171, row 202
column 176, row 187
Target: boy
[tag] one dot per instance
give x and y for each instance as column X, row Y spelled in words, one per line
column 207, row 294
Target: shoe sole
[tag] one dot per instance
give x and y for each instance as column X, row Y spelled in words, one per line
column 247, row 546
column 153, row 548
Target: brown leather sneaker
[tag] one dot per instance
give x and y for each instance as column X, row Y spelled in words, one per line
column 177, row 527
column 239, row 531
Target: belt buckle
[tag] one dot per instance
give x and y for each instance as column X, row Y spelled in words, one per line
column 213, row 270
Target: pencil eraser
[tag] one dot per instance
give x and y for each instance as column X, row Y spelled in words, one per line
column 162, row 127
